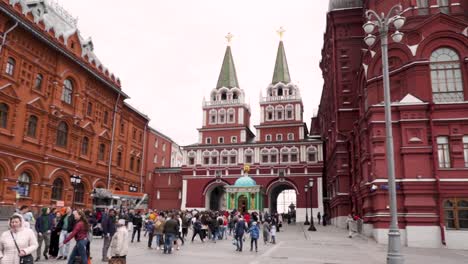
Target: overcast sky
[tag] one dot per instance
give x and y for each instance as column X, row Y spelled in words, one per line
column 168, row 54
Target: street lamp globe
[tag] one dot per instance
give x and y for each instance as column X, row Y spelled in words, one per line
column 397, row 36
column 369, row 27
column 306, row 188
column 311, row 182
column 78, row 180
column 399, row 21
column 370, row 40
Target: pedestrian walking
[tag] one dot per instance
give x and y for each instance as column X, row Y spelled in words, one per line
column 55, row 236
column 318, row 217
column 18, row 242
column 266, row 232
column 254, row 234
column 239, row 230
column 170, row 231
column 119, row 244
column 44, row 226
column 149, row 227
column 273, row 232
column 137, row 221
column 80, row 234
column 65, row 224
column 350, row 225
column 197, row 229
column 159, row 230
column 108, row 230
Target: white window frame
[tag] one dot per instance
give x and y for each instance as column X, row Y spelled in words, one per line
column 290, row 136
column 234, row 139
column 208, row 140
column 270, row 109
column 279, row 137
column 213, row 113
column 221, row 140
column 231, row 113
column 443, row 152
column 268, row 138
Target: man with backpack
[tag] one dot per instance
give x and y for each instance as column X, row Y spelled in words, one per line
column 197, row 229
column 159, row 230
column 239, row 231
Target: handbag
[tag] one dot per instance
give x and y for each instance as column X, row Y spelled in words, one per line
column 28, row 259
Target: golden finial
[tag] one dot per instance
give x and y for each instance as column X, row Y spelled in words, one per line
column 229, row 37
column 280, row 32
column 246, row 168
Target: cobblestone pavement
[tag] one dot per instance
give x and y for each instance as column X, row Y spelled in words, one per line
column 329, row 245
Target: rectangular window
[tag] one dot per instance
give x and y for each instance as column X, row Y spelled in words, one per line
column 233, row 139
column 444, row 6
column 291, row 136
column 248, row 159
column 265, row 158
column 206, row 160
column 214, row 160
column 279, row 137
column 423, row 7
column 191, row 161
column 89, row 110
column 443, row 152
column 293, row 157
column 268, row 138
column 284, row 157
column 465, row 150
column 224, row 160
column 233, row 160
column 273, row 158
column 456, row 213
column 231, row 118
column 134, row 134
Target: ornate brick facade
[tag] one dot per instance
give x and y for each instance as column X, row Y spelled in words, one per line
column 429, row 91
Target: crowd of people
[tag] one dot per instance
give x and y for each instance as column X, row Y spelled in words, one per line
column 49, row 233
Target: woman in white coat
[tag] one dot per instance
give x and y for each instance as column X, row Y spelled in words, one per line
column 25, row 239
column 119, row 244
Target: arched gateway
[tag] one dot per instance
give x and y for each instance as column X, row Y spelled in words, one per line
column 275, row 189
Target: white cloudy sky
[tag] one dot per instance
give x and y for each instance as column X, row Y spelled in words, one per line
column 168, row 54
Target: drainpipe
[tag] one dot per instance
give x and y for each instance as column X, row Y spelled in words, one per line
column 143, row 159
column 111, row 149
column 436, row 175
column 4, row 37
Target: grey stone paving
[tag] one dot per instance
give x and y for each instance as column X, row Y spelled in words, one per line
column 295, row 244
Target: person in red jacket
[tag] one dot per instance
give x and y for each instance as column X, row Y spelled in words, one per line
column 80, row 234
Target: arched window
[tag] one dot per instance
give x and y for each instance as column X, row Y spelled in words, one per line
column 119, row 158
column 3, row 115
column 223, row 96
column 446, row 75
column 101, row 152
column 62, row 134
column 279, row 91
column 214, row 157
column 233, row 157
column 132, row 163
column 191, row 158
column 84, row 146
column 32, row 126
column 24, row 181
column 279, row 112
column 294, row 155
column 206, row 158
column 291, row 90
column 222, row 116
column 269, row 113
column 265, row 156
column 67, row 92
column 289, row 112
column 57, row 189
column 235, row 96
column 38, row 82
column 231, row 112
column 213, row 116
column 139, row 164
column 249, row 156
column 10, row 67
column 268, row 138
column 224, row 157
column 285, row 155
column 312, row 154
column 79, row 193
column 273, row 156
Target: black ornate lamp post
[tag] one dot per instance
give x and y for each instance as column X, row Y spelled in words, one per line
column 311, row 227
column 75, row 180
column 306, row 188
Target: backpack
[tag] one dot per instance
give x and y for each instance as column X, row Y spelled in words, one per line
column 220, row 221
column 158, row 224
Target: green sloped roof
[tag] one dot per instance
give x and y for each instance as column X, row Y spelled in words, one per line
column 227, row 76
column 281, row 73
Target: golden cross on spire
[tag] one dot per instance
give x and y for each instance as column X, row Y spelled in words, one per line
column 280, row 32
column 229, row 37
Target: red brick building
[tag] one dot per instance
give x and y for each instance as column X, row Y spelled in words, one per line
column 164, row 182
column 429, row 91
column 282, row 156
column 62, row 112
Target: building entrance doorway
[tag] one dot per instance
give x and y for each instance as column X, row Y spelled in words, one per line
column 280, row 197
column 216, row 200
column 242, row 204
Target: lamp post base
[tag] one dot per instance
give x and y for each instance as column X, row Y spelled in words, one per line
column 307, row 222
column 312, row 228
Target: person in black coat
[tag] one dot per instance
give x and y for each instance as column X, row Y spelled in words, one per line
column 55, row 235
column 137, row 224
